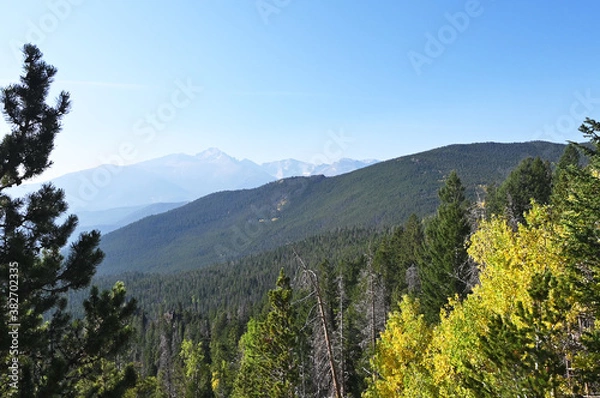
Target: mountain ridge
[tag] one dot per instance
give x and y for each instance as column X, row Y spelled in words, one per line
column 230, row 224
column 172, row 178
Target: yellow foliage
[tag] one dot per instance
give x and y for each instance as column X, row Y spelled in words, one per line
column 215, row 381
column 508, row 261
column 398, row 359
column 412, row 360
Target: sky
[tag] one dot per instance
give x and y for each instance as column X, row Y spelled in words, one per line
column 306, row 79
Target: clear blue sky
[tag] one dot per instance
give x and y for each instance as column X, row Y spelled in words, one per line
column 281, row 78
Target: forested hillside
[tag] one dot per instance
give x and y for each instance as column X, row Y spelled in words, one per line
column 529, row 327
column 471, row 271
column 384, row 312
column 398, row 313
column 239, row 285
column 229, row 225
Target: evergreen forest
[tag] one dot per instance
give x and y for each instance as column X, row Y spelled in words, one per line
column 488, row 288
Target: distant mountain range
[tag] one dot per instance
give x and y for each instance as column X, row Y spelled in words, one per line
column 232, row 224
column 295, row 168
column 108, row 197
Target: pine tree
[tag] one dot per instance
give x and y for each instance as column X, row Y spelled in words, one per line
column 531, row 179
column 567, row 164
column 527, row 349
column 569, row 158
column 56, row 356
column 269, row 365
column 225, row 335
column 396, row 256
column 196, row 378
column 580, row 213
column 444, row 271
column 408, row 254
column 526, row 320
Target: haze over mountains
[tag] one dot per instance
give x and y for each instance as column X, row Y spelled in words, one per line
column 109, row 196
column 237, row 207
column 232, row 224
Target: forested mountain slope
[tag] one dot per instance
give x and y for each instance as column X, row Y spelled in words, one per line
column 228, row 225
column 238, row 285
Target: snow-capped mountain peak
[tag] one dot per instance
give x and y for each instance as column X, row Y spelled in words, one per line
column 213, row 154
column 177, row 178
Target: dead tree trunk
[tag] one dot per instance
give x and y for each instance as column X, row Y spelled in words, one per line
column 313, row 279
column 342, row 362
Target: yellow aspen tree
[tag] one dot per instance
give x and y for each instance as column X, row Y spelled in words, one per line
column 509, row 261
column 398, row 366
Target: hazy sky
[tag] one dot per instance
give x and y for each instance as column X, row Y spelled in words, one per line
column 309, row 79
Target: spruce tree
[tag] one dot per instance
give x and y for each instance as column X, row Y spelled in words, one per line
column 444, row 270
column 56, row 356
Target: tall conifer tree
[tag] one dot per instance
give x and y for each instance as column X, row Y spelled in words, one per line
column 531, row 179
column 56, row 356
column 444, row 272
column 580, row 213
column 269, row 366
